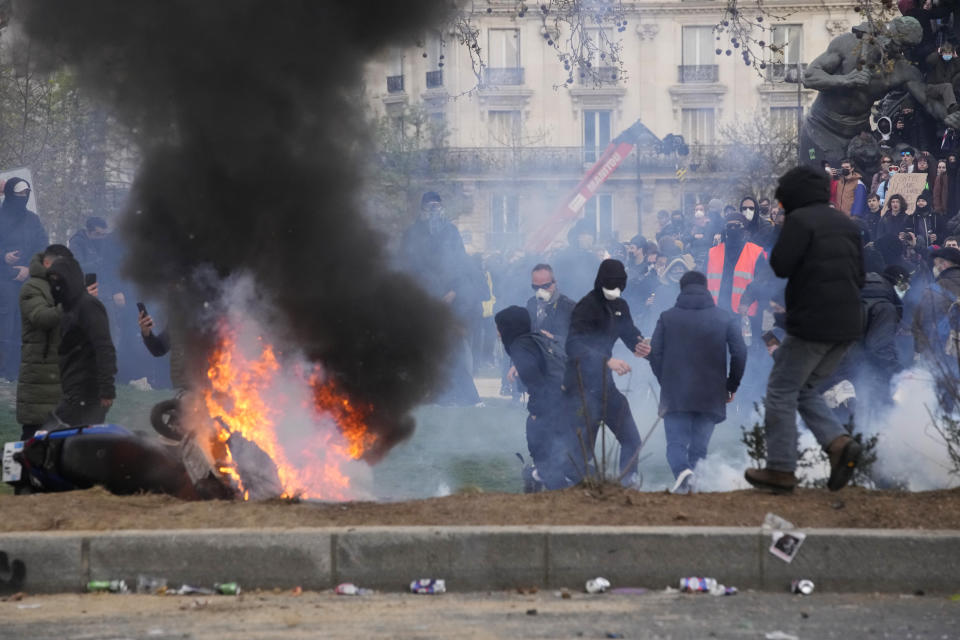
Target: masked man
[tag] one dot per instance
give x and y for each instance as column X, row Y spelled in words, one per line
column 599, row 320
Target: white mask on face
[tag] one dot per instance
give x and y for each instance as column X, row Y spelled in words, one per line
column 937, row 271
column 698, row 213
column 748, row 213
column 611, row 294
column 544, row 295
column 901, row 292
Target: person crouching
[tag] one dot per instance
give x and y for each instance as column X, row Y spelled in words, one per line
column 538, row 361
column 688, row 355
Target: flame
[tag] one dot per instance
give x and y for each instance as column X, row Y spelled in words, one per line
column 245, row 396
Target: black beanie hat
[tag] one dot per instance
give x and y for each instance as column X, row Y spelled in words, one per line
column 693, row 277
column 802, row 186
column 611, row 275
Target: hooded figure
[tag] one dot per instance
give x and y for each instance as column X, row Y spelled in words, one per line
column 598, row 321
column 688, row 355
column 758, row 229
column 88, row 360
column 668, row 288
column 21, row 237
column 548, row 437
column 820, row 254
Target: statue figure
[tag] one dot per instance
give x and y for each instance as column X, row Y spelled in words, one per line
column 856, row 70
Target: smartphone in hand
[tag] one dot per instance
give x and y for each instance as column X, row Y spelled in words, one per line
column 89, row 279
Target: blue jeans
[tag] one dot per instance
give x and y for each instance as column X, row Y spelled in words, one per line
column 799, row 368
column 688, row 435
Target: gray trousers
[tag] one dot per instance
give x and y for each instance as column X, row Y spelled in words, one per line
column 799, row 368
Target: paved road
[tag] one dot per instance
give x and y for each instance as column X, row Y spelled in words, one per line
column 497, row 615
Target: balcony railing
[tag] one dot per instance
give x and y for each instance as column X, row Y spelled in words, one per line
column 690, row 73
column 394, row 84
column 785, row 72
column 434, row 79
column 510, row 76
column 567, row 163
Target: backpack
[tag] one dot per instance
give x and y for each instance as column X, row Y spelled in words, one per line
column 554, row 356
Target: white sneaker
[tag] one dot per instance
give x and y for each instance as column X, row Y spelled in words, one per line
column 683, row 483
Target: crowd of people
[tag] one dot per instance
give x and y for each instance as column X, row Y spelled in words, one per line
column 67, row 330
column 715, row 294
column 720, row 263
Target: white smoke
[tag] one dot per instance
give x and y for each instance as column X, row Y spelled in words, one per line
column 910, row 451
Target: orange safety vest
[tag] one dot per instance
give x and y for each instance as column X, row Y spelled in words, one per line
column 743, row 273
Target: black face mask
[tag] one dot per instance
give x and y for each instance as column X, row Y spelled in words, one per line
column 764, row 210
column 57, row 290
column 733, row 235
column 845, row 172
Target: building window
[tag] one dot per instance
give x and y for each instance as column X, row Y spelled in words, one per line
column 598, row 212
column 699, row 126
column 787, row 44
column 596, row 133
column 698, row 62
column 505, row 128
column 395, row 73
column 699, row 46
column 504, row 48
column 783, row 120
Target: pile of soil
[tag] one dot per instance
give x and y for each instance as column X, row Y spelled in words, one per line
column 854, row 508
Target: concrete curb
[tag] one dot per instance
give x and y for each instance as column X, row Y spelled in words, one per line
column 485, row 558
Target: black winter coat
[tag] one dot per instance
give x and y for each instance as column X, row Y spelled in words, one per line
column 688, row 354
column 595, row 326
column 819, row 252
column 88, row 361
column 557, row 318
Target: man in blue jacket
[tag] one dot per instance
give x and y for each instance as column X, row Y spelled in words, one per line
column 688, row 355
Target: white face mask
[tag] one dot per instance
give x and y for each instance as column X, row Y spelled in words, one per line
column 901, row 292
column 698, row 213
column 611, row 294
column 748, row 213
column 937, row 271
column 544, row 295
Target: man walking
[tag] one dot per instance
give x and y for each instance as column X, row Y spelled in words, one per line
column 598, row 321
column 819, row 252
column 688, row 355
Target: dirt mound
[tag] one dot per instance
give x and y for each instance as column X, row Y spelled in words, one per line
column 856, row 508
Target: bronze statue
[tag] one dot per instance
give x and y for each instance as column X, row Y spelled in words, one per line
column 856, row 70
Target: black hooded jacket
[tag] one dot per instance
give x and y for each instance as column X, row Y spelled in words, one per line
column 88, row 361
column 595, row 326
column 688, row 354
column 819, row 251
column 20, row 228
column 520, row 343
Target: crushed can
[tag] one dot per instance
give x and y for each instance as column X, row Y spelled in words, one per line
column 597, row 585
column 350, row 589
column 803, row 587
column 698, row 585
column 227, row 588
column 113, row 586
column 428, row 586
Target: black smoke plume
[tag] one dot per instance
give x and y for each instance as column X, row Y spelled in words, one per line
column 250, row 124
